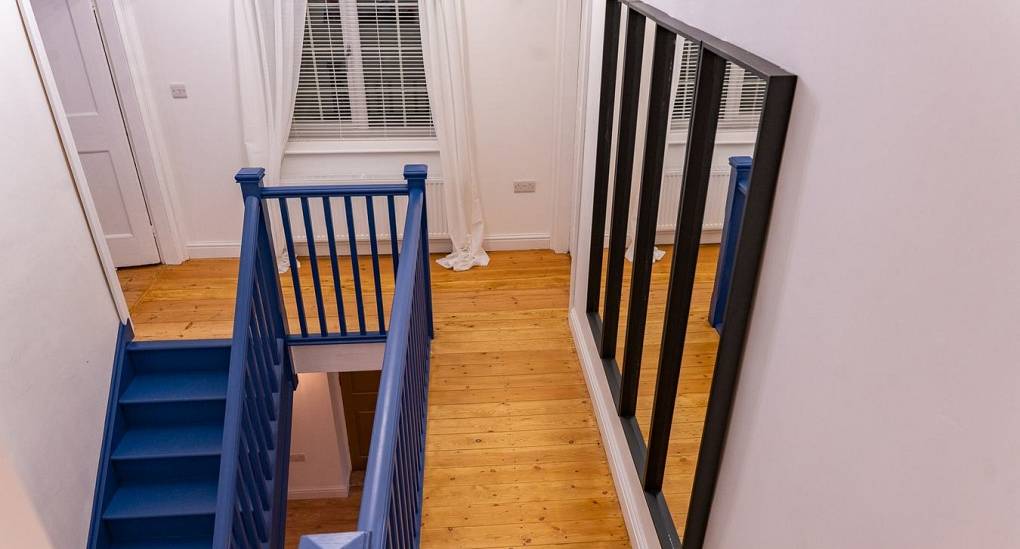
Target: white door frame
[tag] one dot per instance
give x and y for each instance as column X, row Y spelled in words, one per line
column 138, row 110
column 571, row 73
column 49, row 84
column 129, row 78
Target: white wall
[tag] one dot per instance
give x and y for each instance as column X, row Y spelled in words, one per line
column 878, row 405
column 59, row 324
column 512, row 52
column 191, row 42
column 322, row 467
column 18, row 519
column 513, row 48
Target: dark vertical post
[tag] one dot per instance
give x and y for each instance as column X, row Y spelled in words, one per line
column 629, row 97
column 647, row 217
column 415, row 175
column 768, row 153
column 603, row 152
column 690, row 218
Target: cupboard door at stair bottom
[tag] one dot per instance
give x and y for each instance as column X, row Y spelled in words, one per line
column 360, row 391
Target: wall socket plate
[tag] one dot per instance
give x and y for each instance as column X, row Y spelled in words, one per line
column 525, row 186
column 178, row 91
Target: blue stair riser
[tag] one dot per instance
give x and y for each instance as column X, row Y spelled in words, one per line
column 180, row 355
column 204, row 468
column 173, row 413
column 198, row 439
column 163, row 529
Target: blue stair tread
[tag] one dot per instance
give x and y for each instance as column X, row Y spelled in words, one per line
column 165, row 544
column 162, row 500
column 176, row 386
column 175, row 441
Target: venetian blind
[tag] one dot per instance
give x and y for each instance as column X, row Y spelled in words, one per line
column 742, row 99
column 362, row 72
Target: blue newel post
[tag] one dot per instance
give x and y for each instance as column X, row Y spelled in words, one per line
column 250, row 180
column 415, row 175
column 740, row 178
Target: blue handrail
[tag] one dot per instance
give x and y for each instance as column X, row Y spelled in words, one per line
column 391, row 502
column 260, row 383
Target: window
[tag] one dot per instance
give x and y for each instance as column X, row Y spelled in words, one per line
column 362, row 73
column 742, row 99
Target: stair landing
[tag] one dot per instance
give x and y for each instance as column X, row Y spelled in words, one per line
column 513, row 455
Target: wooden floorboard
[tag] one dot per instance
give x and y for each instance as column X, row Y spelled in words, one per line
column 513, row 453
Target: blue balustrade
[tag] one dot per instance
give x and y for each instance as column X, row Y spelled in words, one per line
column 250, row 502
column 251, row 494
column 392, row 499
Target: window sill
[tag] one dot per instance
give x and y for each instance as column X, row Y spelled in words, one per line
column 367, row 146
column 722, row 137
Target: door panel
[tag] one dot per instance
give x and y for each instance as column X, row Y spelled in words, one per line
column 75, row 50
column 359, row 391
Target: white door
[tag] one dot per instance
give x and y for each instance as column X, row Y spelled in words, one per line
column 74, row 46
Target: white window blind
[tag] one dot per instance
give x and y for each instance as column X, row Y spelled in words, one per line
column 742, row 99
column 362, row 73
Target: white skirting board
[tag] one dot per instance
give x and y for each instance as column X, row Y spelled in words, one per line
column 337, row 491
column 625, row 477
column 437, row 244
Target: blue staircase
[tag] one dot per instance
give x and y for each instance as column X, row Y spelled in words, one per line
column 160, row 465
column 197, row 441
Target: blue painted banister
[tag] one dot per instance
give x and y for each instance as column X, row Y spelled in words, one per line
column 392, row 498
column 251, row 493
column 736, row 197
column 391, row 501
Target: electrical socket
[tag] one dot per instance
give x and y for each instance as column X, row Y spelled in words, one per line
column 525, row 186
column 297, row 458
column 178, row 91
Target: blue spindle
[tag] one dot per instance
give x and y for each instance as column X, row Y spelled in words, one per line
column 374, row 246
column 289, row 237
column 352, row 239
column 327, row 212
column 394, row 253
column 313, row 262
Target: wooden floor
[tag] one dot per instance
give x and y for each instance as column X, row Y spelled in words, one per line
column 513, row 454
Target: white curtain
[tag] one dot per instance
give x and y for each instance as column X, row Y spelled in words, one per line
column 268, row 36
column 443, row 32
